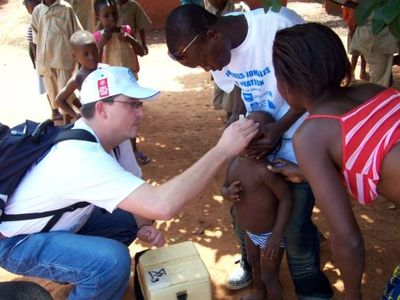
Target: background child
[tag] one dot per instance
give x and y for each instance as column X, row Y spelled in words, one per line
column 53, row 23
column 116, row 44
column 132, row 14
column 30, row 5
column 118, row 47
column 84, row 50
column 262, row 201
column 349, row 17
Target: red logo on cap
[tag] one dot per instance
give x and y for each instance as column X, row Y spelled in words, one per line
column 102, row 86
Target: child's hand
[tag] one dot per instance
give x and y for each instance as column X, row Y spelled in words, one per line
column 231, row 192
column 288, row 169
column 151, row 235
column 125, row 37
column 273, row 248
column 136, row 45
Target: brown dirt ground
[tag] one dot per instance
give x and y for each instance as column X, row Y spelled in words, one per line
column 178, row 128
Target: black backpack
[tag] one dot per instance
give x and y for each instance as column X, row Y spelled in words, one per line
column 23, row 146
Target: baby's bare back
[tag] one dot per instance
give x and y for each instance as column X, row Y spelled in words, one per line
column 257, row 209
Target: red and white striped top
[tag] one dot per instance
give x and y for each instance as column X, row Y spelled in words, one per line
column 369, row 131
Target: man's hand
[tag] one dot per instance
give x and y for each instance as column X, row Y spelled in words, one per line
column 288, row 169
column 151, row 235
column 236, row 137
column 231, row 192
column 269, row 136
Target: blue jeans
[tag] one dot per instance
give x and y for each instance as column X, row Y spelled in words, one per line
column 302, row 251
column 198, row 2
column 96, row 259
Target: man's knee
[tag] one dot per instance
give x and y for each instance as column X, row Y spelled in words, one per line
column 114, row 259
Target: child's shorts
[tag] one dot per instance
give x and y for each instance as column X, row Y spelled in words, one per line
column 261, row 239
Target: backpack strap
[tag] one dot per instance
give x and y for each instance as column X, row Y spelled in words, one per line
column 75, row 134
column 30, row 216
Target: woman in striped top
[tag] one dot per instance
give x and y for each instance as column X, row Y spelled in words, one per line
column 348, row 144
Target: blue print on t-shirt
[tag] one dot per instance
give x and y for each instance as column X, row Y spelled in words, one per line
column 248, row 97
column 271, row 104
column 257, row 106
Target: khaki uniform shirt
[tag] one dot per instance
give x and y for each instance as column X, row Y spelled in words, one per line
column 53, row 26
column 118, row 53
column 132, row 14
column 85, row 13
column 365, row 41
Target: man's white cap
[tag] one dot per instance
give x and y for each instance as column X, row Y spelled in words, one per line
column 108, row 81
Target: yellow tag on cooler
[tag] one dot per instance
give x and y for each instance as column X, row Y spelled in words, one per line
column 174, row 272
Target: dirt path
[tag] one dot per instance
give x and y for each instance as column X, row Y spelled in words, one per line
column 177, row 130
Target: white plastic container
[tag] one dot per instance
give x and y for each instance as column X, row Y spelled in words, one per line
column 174, row 272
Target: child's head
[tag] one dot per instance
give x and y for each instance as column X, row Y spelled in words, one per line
column 30, row 5
column 309, row 59
column 84, row 49
column 262, row 118
column 106, row 13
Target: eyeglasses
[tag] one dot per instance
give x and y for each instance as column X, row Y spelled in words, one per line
column 178, row 55
column 132, row 104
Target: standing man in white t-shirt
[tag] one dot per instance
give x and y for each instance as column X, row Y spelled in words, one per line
column 238, row 52
column 87, row 246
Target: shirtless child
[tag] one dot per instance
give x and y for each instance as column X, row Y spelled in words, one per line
column 84, row 50
column 262, row 201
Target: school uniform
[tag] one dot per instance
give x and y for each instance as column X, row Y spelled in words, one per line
column 52, row 27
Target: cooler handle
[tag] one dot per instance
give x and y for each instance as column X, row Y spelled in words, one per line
column 182, row 295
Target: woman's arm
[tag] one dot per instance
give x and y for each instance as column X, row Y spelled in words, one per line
column 321, row 172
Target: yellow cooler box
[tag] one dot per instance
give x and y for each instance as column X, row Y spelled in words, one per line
column 174, row 272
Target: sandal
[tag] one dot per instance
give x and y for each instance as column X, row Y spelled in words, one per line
column 141, row 157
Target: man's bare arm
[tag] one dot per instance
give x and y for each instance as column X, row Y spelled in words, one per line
column 164, row 201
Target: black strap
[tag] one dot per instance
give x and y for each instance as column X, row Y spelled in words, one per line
column 58, row 215
column 136, row 283
column 75, row 134
column 30, row 216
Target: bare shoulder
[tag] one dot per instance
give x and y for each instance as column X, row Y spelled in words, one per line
column 364, row 92
column 80, row 76
column 317, row 134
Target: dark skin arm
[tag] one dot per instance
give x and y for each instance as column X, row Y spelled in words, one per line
column 272, row 132
column 64, row 94
column 230, row 191
column 143, row 40
column 288, row 169
column 282, row 192
column 315, row 160
column 238, row 107
column 137, row 47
